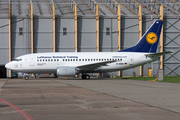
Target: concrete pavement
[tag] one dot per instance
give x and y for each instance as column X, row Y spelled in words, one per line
column 157, row 94
column 60, row 99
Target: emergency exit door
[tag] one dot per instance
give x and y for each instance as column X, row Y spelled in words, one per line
column 32, row 60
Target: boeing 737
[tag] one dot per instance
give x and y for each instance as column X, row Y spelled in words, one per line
column 73, row 63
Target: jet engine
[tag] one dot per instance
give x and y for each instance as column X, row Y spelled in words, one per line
column 66, row 71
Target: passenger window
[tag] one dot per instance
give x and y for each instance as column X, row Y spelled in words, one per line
column 57, row 59
column 51, row 59
column 48, row 59
column 54, row 59
column 99, row 59
column 85, row 59
column 82, row 59
column 65, row 59
column 76, row 59
column 37, row 59
column 40, row 60
column 73, row 59
column 96, row 59
column 88, row 59
column 79, row 59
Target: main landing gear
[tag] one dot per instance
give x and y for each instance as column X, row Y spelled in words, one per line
column 85, row 76
column 26, row 77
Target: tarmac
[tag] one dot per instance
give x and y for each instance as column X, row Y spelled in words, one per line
column 94, row 99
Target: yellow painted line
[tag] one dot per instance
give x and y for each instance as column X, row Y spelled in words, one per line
column 109, row 8
column 49, row 7
column 166, row 8
column 54, row 28
column 9, row 37
column 146, row 7
column 89, row 7
column 154, row 80
column 161, row 38
column 69, row 7
column 97, row 27
column 75, row 11
column 175, row 1
column 128, row 7
column 140, row 33
column 119, row 32
column 31, row 28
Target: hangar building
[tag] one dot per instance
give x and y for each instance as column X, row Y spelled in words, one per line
column 32, row 26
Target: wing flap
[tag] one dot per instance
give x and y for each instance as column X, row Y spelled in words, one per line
column 94, row 65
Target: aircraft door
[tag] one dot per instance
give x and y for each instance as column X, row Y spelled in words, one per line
column 131, row 60
column 32, row 60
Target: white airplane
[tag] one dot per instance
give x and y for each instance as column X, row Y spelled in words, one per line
column 73, row 63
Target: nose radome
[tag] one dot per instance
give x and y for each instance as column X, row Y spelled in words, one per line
column 8, row 66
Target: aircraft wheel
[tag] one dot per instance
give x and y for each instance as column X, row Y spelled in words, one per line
column 26, row 78
column 87, row 77
column 83, row 76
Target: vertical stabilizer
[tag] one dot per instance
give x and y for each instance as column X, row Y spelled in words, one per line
column 149, row 41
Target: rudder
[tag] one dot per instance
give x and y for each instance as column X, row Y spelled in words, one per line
column 149, row 41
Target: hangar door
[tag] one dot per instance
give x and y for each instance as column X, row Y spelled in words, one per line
column 2, row 72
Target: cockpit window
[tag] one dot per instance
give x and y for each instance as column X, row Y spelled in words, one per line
column 17, row 60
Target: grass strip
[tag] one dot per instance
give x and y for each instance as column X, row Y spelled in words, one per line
column 171, row 79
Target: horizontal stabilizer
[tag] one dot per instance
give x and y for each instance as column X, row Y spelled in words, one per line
column 157, row 54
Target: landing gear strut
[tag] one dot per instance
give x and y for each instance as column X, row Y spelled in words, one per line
column 85, row 76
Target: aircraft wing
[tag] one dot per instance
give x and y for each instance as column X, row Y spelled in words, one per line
column 94, row 65
column 157, row 54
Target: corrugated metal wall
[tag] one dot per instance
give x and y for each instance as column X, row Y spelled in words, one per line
column 43, row 33
column 4, row 43
column 20, row 43
column 108, row 42
column 65, row 43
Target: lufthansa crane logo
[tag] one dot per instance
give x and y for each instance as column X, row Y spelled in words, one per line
column 151, row 38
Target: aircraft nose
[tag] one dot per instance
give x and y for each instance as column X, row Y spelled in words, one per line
column 8, row 65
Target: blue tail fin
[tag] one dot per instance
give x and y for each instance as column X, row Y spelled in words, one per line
column 149, row 41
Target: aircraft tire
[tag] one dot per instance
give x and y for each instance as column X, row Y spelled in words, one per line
column 26, row 78
column 83, row 76
column 87, row 77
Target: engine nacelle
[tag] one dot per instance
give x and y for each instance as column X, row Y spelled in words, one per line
column 66, row 71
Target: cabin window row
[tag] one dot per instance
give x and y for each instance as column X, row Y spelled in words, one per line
column 79, row 60
column 47, row 60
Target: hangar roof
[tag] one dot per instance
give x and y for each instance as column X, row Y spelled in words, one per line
column 88, row 7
